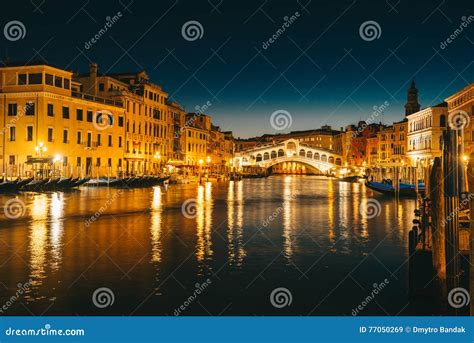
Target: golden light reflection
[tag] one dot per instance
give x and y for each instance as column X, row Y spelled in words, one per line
column 288, row 247
column 155, row 229
column 331, row 213
column 38, row 239
column 204, row 206
column 235, row 208
column 57, row 229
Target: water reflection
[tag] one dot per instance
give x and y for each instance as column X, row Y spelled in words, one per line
column 57, row 228
column 235, row 218
column 288, row 217
column 38, row 242
column 204, row 207
column 155, row 228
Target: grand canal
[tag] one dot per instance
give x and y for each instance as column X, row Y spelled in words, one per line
column 240, row 239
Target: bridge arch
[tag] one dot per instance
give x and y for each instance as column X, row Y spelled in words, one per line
column 290, row 151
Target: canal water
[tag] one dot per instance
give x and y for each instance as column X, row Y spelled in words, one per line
column 215, row 249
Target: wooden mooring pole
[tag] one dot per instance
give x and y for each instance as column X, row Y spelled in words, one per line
column 436, row 196
column 470, row 178
column 451, row 159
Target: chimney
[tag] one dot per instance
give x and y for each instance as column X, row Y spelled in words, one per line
column 93, row 78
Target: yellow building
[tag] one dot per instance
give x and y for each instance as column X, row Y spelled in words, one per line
column 425, row 129
column 149, row 119
column 461, row 110
column 196, row 142
column 44, row 115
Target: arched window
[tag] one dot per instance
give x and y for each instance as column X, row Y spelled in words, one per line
column 324, row 158
column 281, row 153
column 266, row 156
column 331, row 159
column 274, row 154
column 316, row 156
column 338, row 161
column 259, row 158
column 309, row 154
column 302, row 152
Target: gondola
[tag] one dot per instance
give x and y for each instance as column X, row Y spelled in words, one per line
column 9, row 187
column 34, row 185
column 405, row 189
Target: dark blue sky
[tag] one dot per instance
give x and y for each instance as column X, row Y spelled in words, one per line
column 320, row 70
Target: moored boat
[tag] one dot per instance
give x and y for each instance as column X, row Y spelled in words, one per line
column 405, row 189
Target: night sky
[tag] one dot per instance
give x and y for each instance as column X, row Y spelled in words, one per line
column 320, row 69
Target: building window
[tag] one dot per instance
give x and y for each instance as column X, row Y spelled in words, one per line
column 58, row 81
column 97, row 163
column 50, row 134
column 89, row 116
column 98, row 139
column 67, row 84
column 89, row 139
column 11, row 159
column 79, row 137
column 101, row 87
column 110, row 140
column 50, row 110
column 78, row 161
column 120, row 121
column 12, row 109
column 12, row 133
column 120, row 141
column 30, row 109
column 109, row 162
column 29, row 133
column 49, row 79
column 35, row 79
column 22, row 79
column 65, row 112
column 79, row 114
column 65, row 136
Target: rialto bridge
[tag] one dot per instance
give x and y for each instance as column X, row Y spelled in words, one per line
column 288, row 153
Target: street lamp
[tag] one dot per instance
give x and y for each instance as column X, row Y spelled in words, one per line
column 158, row 157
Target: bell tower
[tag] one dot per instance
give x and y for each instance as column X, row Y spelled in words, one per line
column 412, row 104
